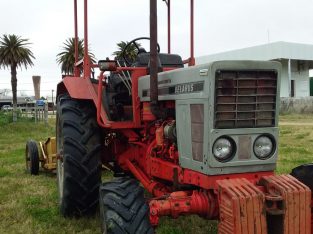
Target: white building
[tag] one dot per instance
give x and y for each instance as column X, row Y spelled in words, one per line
column 296, row 60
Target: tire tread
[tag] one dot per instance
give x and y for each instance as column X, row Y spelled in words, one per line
column 82, row 165
column 124, row 207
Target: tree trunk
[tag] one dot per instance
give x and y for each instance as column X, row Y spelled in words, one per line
column 14, row 90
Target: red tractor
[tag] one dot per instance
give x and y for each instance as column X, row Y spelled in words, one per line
column 200, row 139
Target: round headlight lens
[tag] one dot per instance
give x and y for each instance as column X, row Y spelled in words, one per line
column 263, row 147
column 223, row 149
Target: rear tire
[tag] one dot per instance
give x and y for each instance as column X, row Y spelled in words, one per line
column 123, row 208
column 32, row 157
column 79, row 166
column 304, row 173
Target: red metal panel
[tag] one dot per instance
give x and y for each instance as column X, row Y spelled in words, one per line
column 183, row 202
column 209, row 181
column 78, row 87
column 76, row 69
column 241, row 207
column 81, row 88
column 297, row 202
column 87, row 62
column 137, row 73
column 165, row 170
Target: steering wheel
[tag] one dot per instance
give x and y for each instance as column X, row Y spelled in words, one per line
column 128, row 62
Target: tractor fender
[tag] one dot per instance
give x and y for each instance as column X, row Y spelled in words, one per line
column 76, row 87
column 83, row 89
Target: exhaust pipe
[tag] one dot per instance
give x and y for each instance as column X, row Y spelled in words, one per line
column 154, row 61
column 153, row 52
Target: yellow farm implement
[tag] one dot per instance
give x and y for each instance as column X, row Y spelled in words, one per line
column 43, row 153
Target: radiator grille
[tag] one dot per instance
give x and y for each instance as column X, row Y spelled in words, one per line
column 197, row 128
column 245, row 99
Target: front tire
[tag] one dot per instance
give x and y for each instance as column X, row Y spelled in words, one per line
column 79, row 166
column 123, row 208
column 32, row 157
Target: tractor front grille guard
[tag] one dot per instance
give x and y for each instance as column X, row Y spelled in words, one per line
column 245, row 99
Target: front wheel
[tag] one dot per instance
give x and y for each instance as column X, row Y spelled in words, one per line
column 32, row 157
column 123, row 208
column 79, row 148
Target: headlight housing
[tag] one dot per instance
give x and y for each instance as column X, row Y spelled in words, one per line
column 224, row 149
column 264, row 146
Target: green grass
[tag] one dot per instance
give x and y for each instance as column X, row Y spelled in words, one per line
column 303, row 118
column 29, row 204
column 296, row 142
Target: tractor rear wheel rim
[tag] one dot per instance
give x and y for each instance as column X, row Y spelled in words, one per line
column 60, row 164
column 60, row 178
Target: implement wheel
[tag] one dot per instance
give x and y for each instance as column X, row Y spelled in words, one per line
column 123, row 208
column 32, row 157
column 78, row 141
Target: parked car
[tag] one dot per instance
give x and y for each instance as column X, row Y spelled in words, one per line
column 6, row 108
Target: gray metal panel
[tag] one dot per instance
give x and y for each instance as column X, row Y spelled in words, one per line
column 237, row 165
column 235, row 134
column 176, row 78
column 210, row 165
column 184, row 134
column 197, row 129
column 246, row 65
column 183, row 131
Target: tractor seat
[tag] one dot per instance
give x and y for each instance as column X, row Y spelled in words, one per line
column 167, row 60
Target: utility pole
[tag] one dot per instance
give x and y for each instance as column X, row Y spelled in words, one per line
column 52, row 102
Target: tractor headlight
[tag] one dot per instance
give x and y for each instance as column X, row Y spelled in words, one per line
column 263, row 147
column 223, row 149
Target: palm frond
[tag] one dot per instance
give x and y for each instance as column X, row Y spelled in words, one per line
column 66, row 58
column 15, row 50
column 130, row 53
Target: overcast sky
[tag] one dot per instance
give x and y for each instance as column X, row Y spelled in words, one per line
column 220, row 25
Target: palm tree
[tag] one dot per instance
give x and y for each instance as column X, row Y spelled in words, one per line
column 14, row 53
column 130, row 53
column 67, row 57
